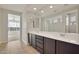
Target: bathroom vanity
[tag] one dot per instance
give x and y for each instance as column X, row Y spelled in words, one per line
column 54, row 43
column 56, row 33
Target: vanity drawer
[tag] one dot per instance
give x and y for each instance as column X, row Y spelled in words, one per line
column 39, row 45
column 39, row 37
column 40, row 50
column 40, row 41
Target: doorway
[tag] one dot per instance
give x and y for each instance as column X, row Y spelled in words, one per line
column 13, row 27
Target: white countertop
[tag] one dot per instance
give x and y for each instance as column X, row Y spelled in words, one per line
column 66, row 37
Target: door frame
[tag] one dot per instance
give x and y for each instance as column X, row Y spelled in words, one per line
column 19, row 14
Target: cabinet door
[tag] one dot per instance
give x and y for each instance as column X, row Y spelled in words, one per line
column 39, row 44
column 33, row 40
column 49, row 46
column 66, row 48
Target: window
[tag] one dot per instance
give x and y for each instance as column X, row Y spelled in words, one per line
column 13, row 22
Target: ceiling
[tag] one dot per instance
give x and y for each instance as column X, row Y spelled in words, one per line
column 28, row 8
column 14, row 7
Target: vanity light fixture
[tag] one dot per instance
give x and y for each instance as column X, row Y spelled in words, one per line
column 42, row 11
column 34, row 8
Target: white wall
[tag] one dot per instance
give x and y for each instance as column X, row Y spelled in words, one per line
column 24, row 28
column 3, row 26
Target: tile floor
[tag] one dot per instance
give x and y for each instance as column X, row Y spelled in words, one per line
column 16, row 47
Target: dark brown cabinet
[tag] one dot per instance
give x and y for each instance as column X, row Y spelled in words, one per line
column 52, row 46
column 49, row 46
column 66, row 48
column 33, row 42
column 39, row 43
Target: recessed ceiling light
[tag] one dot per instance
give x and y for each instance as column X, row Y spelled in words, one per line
column 35, row 8
column 42, row 11
column 51, row 6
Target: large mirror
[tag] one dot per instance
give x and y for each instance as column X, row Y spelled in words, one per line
column 66, row 22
